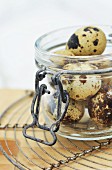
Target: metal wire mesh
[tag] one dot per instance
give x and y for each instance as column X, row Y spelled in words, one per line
column 66, row 154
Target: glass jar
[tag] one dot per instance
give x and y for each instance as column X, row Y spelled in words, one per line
column 89, row 113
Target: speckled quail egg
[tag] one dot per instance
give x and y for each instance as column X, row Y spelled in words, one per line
column 75, row 111
column 81, row 87
column 64, row 52
column 100, row 106
column 107, row 81
column 88, row 40
column 101, row 63
column 61, row 60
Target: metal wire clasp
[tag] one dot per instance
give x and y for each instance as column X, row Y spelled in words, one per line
column 40, row 90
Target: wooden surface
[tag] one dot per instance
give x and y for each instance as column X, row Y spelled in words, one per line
column 9, row 96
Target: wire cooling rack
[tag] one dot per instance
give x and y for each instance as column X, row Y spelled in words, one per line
column 66, row 154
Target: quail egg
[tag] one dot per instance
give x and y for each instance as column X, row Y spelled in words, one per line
column 101, row 63
column 80, row 87
column 75, row 111
column 62, row 60
column 100, row 106
column 88, row 40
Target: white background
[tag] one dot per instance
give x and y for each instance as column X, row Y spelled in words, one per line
column 23, row 21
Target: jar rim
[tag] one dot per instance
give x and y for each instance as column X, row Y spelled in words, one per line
column 39, row 49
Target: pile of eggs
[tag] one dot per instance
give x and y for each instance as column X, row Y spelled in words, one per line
column 89, row 89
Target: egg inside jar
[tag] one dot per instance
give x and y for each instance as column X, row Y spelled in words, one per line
column 88, row 90
column 82, row 57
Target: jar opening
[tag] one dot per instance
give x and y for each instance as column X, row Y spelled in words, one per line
column 47, row 44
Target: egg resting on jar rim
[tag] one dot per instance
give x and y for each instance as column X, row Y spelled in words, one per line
column 87, row 41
